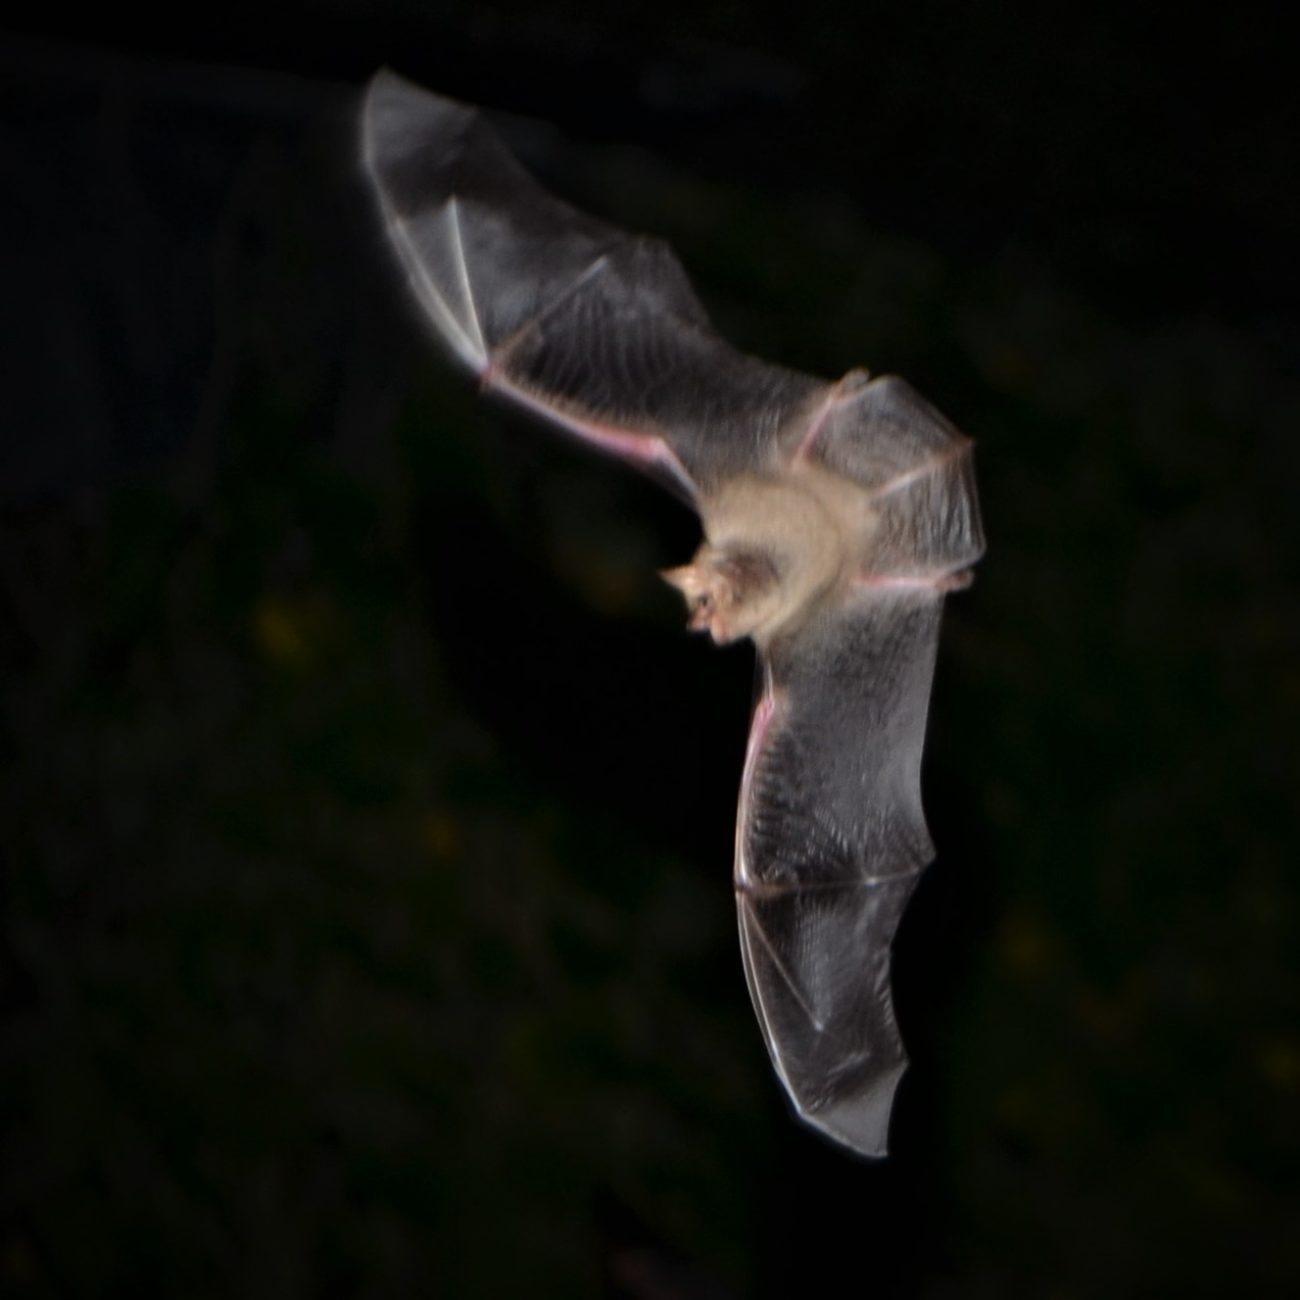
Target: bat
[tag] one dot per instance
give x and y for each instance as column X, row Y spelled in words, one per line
column 836, row 517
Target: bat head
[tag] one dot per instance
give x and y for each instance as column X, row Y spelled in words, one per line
column 729, row 592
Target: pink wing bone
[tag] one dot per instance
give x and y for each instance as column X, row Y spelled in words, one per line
column 837, row 394
column 940, row 583
column 914, row 467
column 451, row 305
column 758, row 729
column 746, row 886
column 647, row 451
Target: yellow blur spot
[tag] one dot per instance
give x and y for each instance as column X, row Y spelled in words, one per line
column 18, row 1262
column 1025, row 945
column 440, row 835
column 1279, row 1062
column 1010, row 368
column 1110, row 1019
column 280, row 636
column 1017, row 1108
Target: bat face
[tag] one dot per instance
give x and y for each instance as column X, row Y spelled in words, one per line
column 836, row 516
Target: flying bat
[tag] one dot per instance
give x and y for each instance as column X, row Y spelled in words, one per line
column 836, row 517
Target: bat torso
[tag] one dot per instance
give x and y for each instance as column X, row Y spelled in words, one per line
column 776, row 547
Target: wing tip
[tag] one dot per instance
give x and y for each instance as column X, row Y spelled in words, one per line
column 860, row 1120
column 399, row 118
column 383, row 89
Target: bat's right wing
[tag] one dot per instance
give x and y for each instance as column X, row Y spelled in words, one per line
column 591, row 327
column 830, row 840
column 830, row 837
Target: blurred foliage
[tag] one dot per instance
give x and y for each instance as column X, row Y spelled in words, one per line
column 367, row 928
column 305, row 976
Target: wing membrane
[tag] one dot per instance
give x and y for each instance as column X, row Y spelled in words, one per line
column 599, row 331
column 594, row 327
column 830, row 842
column 918, row 472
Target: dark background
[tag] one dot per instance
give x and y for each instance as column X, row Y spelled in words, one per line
column 367, row 926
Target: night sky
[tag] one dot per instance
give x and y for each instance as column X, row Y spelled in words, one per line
column 366, row 925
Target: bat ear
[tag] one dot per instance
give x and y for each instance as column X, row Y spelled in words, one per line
column 686, row 578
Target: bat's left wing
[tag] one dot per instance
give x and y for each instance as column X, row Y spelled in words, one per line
column 830, row 840
column 589, row 326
